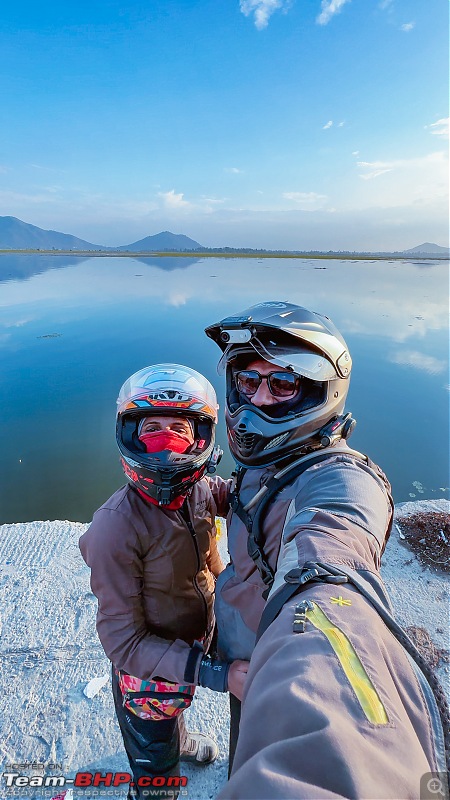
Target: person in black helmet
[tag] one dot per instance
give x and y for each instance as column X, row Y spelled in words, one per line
column 332, row 706
column 154, row 560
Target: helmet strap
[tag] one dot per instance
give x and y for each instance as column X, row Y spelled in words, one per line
column 174, row 505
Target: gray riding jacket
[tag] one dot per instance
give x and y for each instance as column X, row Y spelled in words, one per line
column 333, row 705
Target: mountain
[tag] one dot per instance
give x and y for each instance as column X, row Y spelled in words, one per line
column 160, row 242
column 428, row 248
column 18, row 235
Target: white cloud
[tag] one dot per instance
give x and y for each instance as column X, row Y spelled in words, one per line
column 386, row 3
column 412, row 358
column 306, row 201
column 329, row 124
column 48, row 169
column 439, row 128
column 234, row 170
column 329, row 9
column 373, row 169
column 262, row 10
column 173, row 200
column 408, row 26
column 355, row 153
column 417, row 185
column 341, row 124
column 12, row 198
column 212, row 200
column 209, row 204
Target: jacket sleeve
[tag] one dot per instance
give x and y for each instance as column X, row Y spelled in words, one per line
column 303, row 731
column 111, row 548
column 340, row 515
column 220, row 490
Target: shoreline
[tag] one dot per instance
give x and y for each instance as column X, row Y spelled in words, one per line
column 235, row 254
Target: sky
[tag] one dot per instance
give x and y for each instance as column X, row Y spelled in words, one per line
column 279, row 124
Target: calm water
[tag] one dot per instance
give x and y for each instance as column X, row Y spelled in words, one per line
column 72, row 330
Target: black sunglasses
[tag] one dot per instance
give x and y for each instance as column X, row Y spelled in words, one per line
column 281, row 384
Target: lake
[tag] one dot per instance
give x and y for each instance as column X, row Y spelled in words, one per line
column 73, row 329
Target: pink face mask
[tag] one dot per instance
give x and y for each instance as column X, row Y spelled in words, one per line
column 156, row 441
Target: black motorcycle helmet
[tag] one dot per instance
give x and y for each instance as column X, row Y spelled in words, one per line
column 302, row 342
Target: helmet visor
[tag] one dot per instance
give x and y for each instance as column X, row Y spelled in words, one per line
column 297, row 359
column 168, row 388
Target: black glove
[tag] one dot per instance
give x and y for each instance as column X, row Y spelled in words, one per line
column 213, row 674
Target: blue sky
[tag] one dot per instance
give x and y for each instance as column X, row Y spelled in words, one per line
column 261, row 123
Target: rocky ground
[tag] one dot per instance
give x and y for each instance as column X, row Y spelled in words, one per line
column 428, row 535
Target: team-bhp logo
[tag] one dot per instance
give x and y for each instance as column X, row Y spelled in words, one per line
column 95, row 781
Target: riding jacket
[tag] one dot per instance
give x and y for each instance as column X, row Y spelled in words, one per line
column 333, row 706
column 153, row 572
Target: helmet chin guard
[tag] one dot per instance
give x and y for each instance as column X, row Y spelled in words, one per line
column 291, row 338
column 167, row 390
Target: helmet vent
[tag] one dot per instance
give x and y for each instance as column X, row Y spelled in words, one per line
column 246, row 441
column 276, row 441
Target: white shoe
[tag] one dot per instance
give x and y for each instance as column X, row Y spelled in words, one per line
column 199, row 749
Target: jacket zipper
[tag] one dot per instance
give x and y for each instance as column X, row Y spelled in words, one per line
column 199, row 592
column 352, row 665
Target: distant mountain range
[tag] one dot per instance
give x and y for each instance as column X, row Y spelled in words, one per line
column 18, row 235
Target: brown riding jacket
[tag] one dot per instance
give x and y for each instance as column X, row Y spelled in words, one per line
column 154, row 577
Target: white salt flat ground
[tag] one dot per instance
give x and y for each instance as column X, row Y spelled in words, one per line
column 50, row 651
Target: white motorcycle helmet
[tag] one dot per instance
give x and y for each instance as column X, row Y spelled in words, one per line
column 305, row 344
column 167, row 389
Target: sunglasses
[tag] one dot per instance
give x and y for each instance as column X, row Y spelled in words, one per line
column 281, row 384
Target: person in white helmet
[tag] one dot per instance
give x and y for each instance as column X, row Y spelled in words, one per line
column 153, row 556
column 337, row 702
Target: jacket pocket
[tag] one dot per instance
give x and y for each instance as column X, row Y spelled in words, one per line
column 352, row 665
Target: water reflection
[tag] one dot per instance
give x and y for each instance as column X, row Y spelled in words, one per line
column 21, row 267
column 168, row 263
column 70, row 336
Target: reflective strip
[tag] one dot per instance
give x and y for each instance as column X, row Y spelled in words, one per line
column 221, row 527
column 352, row 665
